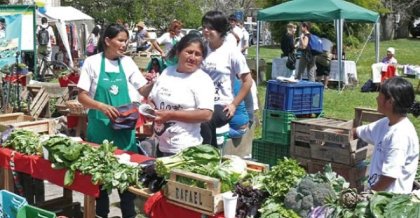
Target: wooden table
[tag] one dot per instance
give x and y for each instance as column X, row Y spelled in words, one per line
column 39, row 168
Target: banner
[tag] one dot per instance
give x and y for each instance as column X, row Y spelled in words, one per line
column 10, row 35
column 16, row 32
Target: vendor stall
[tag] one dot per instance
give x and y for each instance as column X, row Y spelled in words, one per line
column 40, row 168
column 73, row 27
column 349, row 70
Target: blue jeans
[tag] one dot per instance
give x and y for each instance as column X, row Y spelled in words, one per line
column 126, row 204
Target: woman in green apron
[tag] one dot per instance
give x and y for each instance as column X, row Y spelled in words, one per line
column 104, row 85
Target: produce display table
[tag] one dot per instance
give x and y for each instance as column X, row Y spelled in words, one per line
column 157, row 206
column 39, row 168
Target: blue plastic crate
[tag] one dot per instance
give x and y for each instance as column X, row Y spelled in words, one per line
column 10, row 203
column 299, row 98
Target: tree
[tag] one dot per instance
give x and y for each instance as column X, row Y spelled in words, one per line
column 156, row 13
column 398, row 18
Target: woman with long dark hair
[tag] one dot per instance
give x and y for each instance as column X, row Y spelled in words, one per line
column 103, row 86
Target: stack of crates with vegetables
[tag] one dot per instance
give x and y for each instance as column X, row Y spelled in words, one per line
column 284, row 102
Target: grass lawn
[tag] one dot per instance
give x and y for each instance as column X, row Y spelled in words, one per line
column 341, row 104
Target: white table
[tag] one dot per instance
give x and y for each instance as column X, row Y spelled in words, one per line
column 411, row 70
column 349, row 67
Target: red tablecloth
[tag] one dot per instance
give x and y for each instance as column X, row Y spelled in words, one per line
column 157, row 206
column 40, row 168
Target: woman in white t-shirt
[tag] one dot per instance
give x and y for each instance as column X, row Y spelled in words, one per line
column 184, row 97
column 170, row 38
column 223, row 64
column 394, row 162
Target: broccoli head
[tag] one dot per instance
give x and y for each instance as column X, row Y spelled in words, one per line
column 308, row 194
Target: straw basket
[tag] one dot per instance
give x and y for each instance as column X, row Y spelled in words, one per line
column 75, row 107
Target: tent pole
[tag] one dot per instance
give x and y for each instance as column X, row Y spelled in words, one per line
column 258, row 51
column 340, row 51
column 377, row 40
column 35, row 50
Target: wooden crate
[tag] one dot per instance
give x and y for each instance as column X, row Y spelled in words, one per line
column 355, row 175
column 6, row 119
column 363, row 115
column 328, row 139
column 206, row 200
column 337, row 154
column 46, row 126
column 39, row 102
column 300, row 134
column 299, row 143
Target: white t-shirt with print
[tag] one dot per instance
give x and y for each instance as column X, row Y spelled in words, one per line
column 89, row 75
column 223, row 65
column 168, row 41
column 396, row 153
column 181, row 91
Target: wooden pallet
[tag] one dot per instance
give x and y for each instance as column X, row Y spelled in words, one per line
column 39, row 103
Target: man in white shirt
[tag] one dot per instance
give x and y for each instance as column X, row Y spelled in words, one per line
column 46, row 39
column 235, row 35
column 245, row 40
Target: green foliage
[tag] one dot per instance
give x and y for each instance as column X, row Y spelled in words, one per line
column 156, row 13
column 24, row 141
column 282, row 177
column 273, row 209
column 351, row 41
column 277, row 182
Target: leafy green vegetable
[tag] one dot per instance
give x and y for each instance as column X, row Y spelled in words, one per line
column 105, row 169
column 191, row 156
column 272, row 209
column 24, row 141
column 283, row 176
column 378, row 203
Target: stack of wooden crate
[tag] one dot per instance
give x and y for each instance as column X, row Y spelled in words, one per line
column 284, row 102
column 317, row 142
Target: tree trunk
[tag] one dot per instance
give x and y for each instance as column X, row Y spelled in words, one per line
column 388, row 25
column 402, row 30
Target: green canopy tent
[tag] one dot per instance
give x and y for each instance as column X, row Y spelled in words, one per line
column 321, row 11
